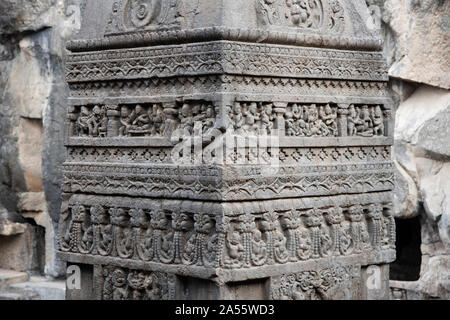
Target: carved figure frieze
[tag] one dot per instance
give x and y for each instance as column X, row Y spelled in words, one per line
column 311, row 120
column 307, row 120
column 199, row 235
column 138, row 120
column 305, row 14
column 90, row 122
column 209, row 146
column 366, row 121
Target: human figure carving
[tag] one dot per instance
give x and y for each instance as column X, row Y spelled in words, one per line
column 187, row 121
column 329, row 116
column 378, row 121
column 125, row 121
column 266, row 120
column 97, row 122
column 365, row 127
column 238, row 118
column 140, row 121
column 82, row 121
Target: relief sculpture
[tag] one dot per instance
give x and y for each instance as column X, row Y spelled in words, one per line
column 216, row 146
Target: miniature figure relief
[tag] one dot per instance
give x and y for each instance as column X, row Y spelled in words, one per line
column 306, row 120
column 137, row 120
column 325, row 284
column 127, row 284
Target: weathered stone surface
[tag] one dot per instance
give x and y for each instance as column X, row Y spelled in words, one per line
column 8, row 228
column 23, row 252
column 422, row 150
column 425, row 104
column 418, row 40
column 8, row 277
column 31, row 202
column 406, row 196
column 32, row 94
column 422, row 143
column 433, row 284
column 434, row 136
column 434, row 184
column 40, row 288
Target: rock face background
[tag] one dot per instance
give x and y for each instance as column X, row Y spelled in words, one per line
column 32, row 109
column 32, row 115
column 417, row 46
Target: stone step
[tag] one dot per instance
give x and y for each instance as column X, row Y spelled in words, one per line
column 8, row 277
column 18, row 296
column 40, row 288
column 10, row 296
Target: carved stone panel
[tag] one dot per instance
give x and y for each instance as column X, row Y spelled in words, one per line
column 214, row 146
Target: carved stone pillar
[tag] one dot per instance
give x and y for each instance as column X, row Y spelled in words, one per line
column 288, row 103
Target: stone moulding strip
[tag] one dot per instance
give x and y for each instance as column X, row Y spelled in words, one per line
column 148, row 38
column 165, row 170
column 214, row 188
column 288, row 98
column 233, row 208
column 233, row 275
column 225, row 57
column 290, row 88
column 294, row 142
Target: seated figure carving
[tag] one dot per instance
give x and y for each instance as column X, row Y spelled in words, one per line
column 365, row 126
column 125, row 121
column 140, row 122
column 92, row 124
column 378, row 121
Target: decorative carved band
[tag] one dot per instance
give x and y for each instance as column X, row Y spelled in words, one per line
column 149, row 38
column 230, row 236
column 226, row 57
column 203, row 182
column 243, row 118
